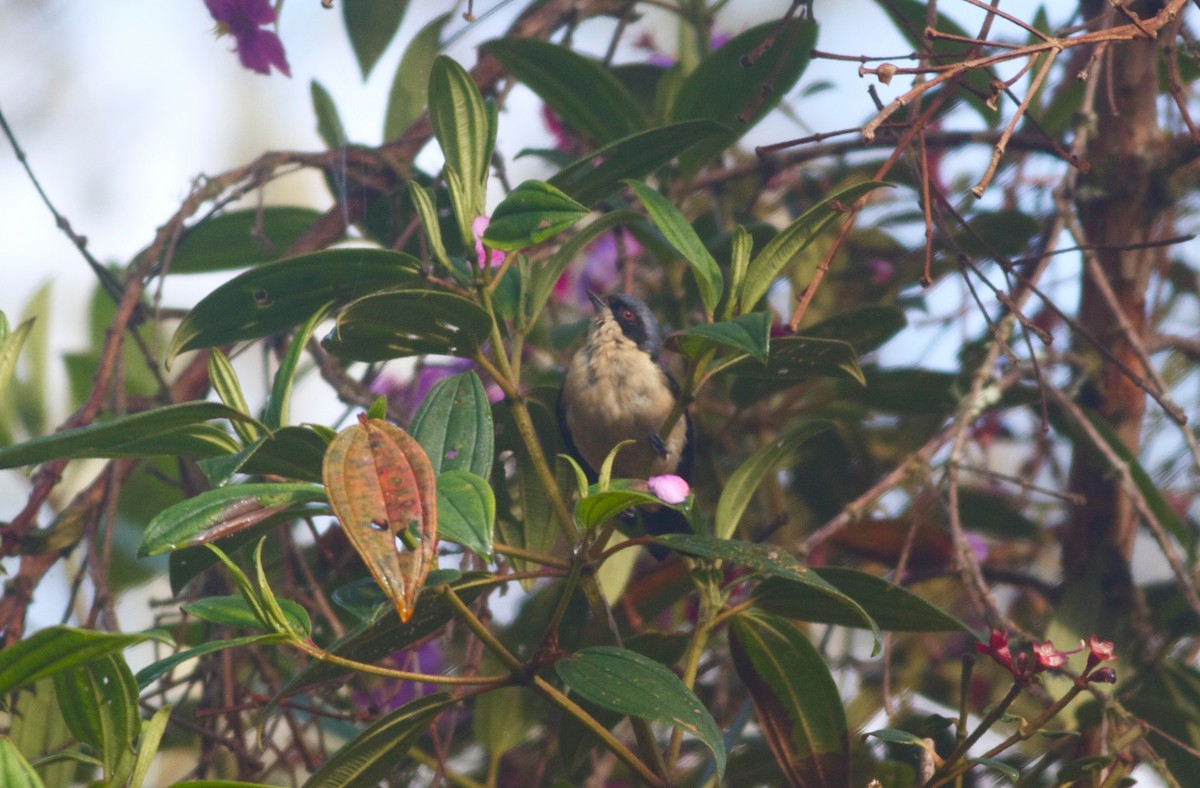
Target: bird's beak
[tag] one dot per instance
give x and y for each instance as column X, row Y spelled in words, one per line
column 597, row 302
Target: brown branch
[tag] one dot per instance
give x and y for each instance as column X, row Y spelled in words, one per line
column 1128, row 32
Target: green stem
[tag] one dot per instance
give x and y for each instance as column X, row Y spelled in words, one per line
column 480, row 631
column 964, row 687
column 318, row 653
column 954, row 765
column 541, row 685
column 564, row 601
column 532, row 556
column 622, row 752
column 950, row 766
column 711, row 601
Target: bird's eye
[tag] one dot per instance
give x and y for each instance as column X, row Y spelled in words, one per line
column 627, row 315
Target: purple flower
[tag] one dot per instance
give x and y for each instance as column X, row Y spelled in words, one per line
column 384, row 695
column 882, row 271
column 258, row 49
column 406, row 395
column 489, row 257
column 598, row 271
column 664, row 60
column 670, row 488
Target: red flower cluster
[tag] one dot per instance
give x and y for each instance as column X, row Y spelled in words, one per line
column 1046, row 657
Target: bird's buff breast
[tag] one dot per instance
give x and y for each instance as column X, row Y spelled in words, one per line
column 627, row 397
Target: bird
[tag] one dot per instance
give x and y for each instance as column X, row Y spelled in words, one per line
column 615, row 389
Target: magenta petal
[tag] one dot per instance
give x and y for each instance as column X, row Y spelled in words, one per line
column 221, row 10
column 261, row 49
column 669, row 488
column 260, row 12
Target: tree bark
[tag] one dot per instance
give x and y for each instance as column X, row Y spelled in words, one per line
column 1118, row 204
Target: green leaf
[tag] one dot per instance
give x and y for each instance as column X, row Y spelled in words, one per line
column 462, row 202
column 989, row 512
column 426, row 208
column 37, row 726
column 376, row 752
column 740, row 488
column 912, row 391
column 1162, row 511
column 10, row 348
column 32, row 410
column 240, row 239
column 291, row 452
column 277, row 296
column 896, row 736
column 454, row 426
column 795, row 699
column 362, row 597
column 249, row 593
column 749, row 334
column 1007, row 770
column 626, row 682
column 281, row 389
column 505, row 717
column 595, row 176
column 409, row 323
column 679, row 233
column 225, row 383
column 15, row 771
column 406, row 100
column 55, row 649
column 892, row 607
column 173, row 429
column 329, row 124
column 217, row 513
column 578, row 89
column 154, row 670
column 464, row 128
column 864, row 329
column 151, row 736
column 771, row 561
column 466, row 508
column 232, row 611
column 996, row 234
column 529, row 214
column 215, row 784
column 535, row 529
column 98, row 700
column 371, row 25
column 794, row 359
column 741, row 245
column 383, row 633
column 769, row 263
column 599, row 507
column 721, row 89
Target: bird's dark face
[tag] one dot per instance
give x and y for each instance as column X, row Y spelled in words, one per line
column 635, row 319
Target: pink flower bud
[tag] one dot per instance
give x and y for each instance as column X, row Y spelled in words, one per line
column 670, row 488
column 489, row 257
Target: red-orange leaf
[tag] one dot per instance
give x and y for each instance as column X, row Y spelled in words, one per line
column 383, row 490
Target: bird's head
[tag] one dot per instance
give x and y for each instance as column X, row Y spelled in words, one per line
column 634, row 318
